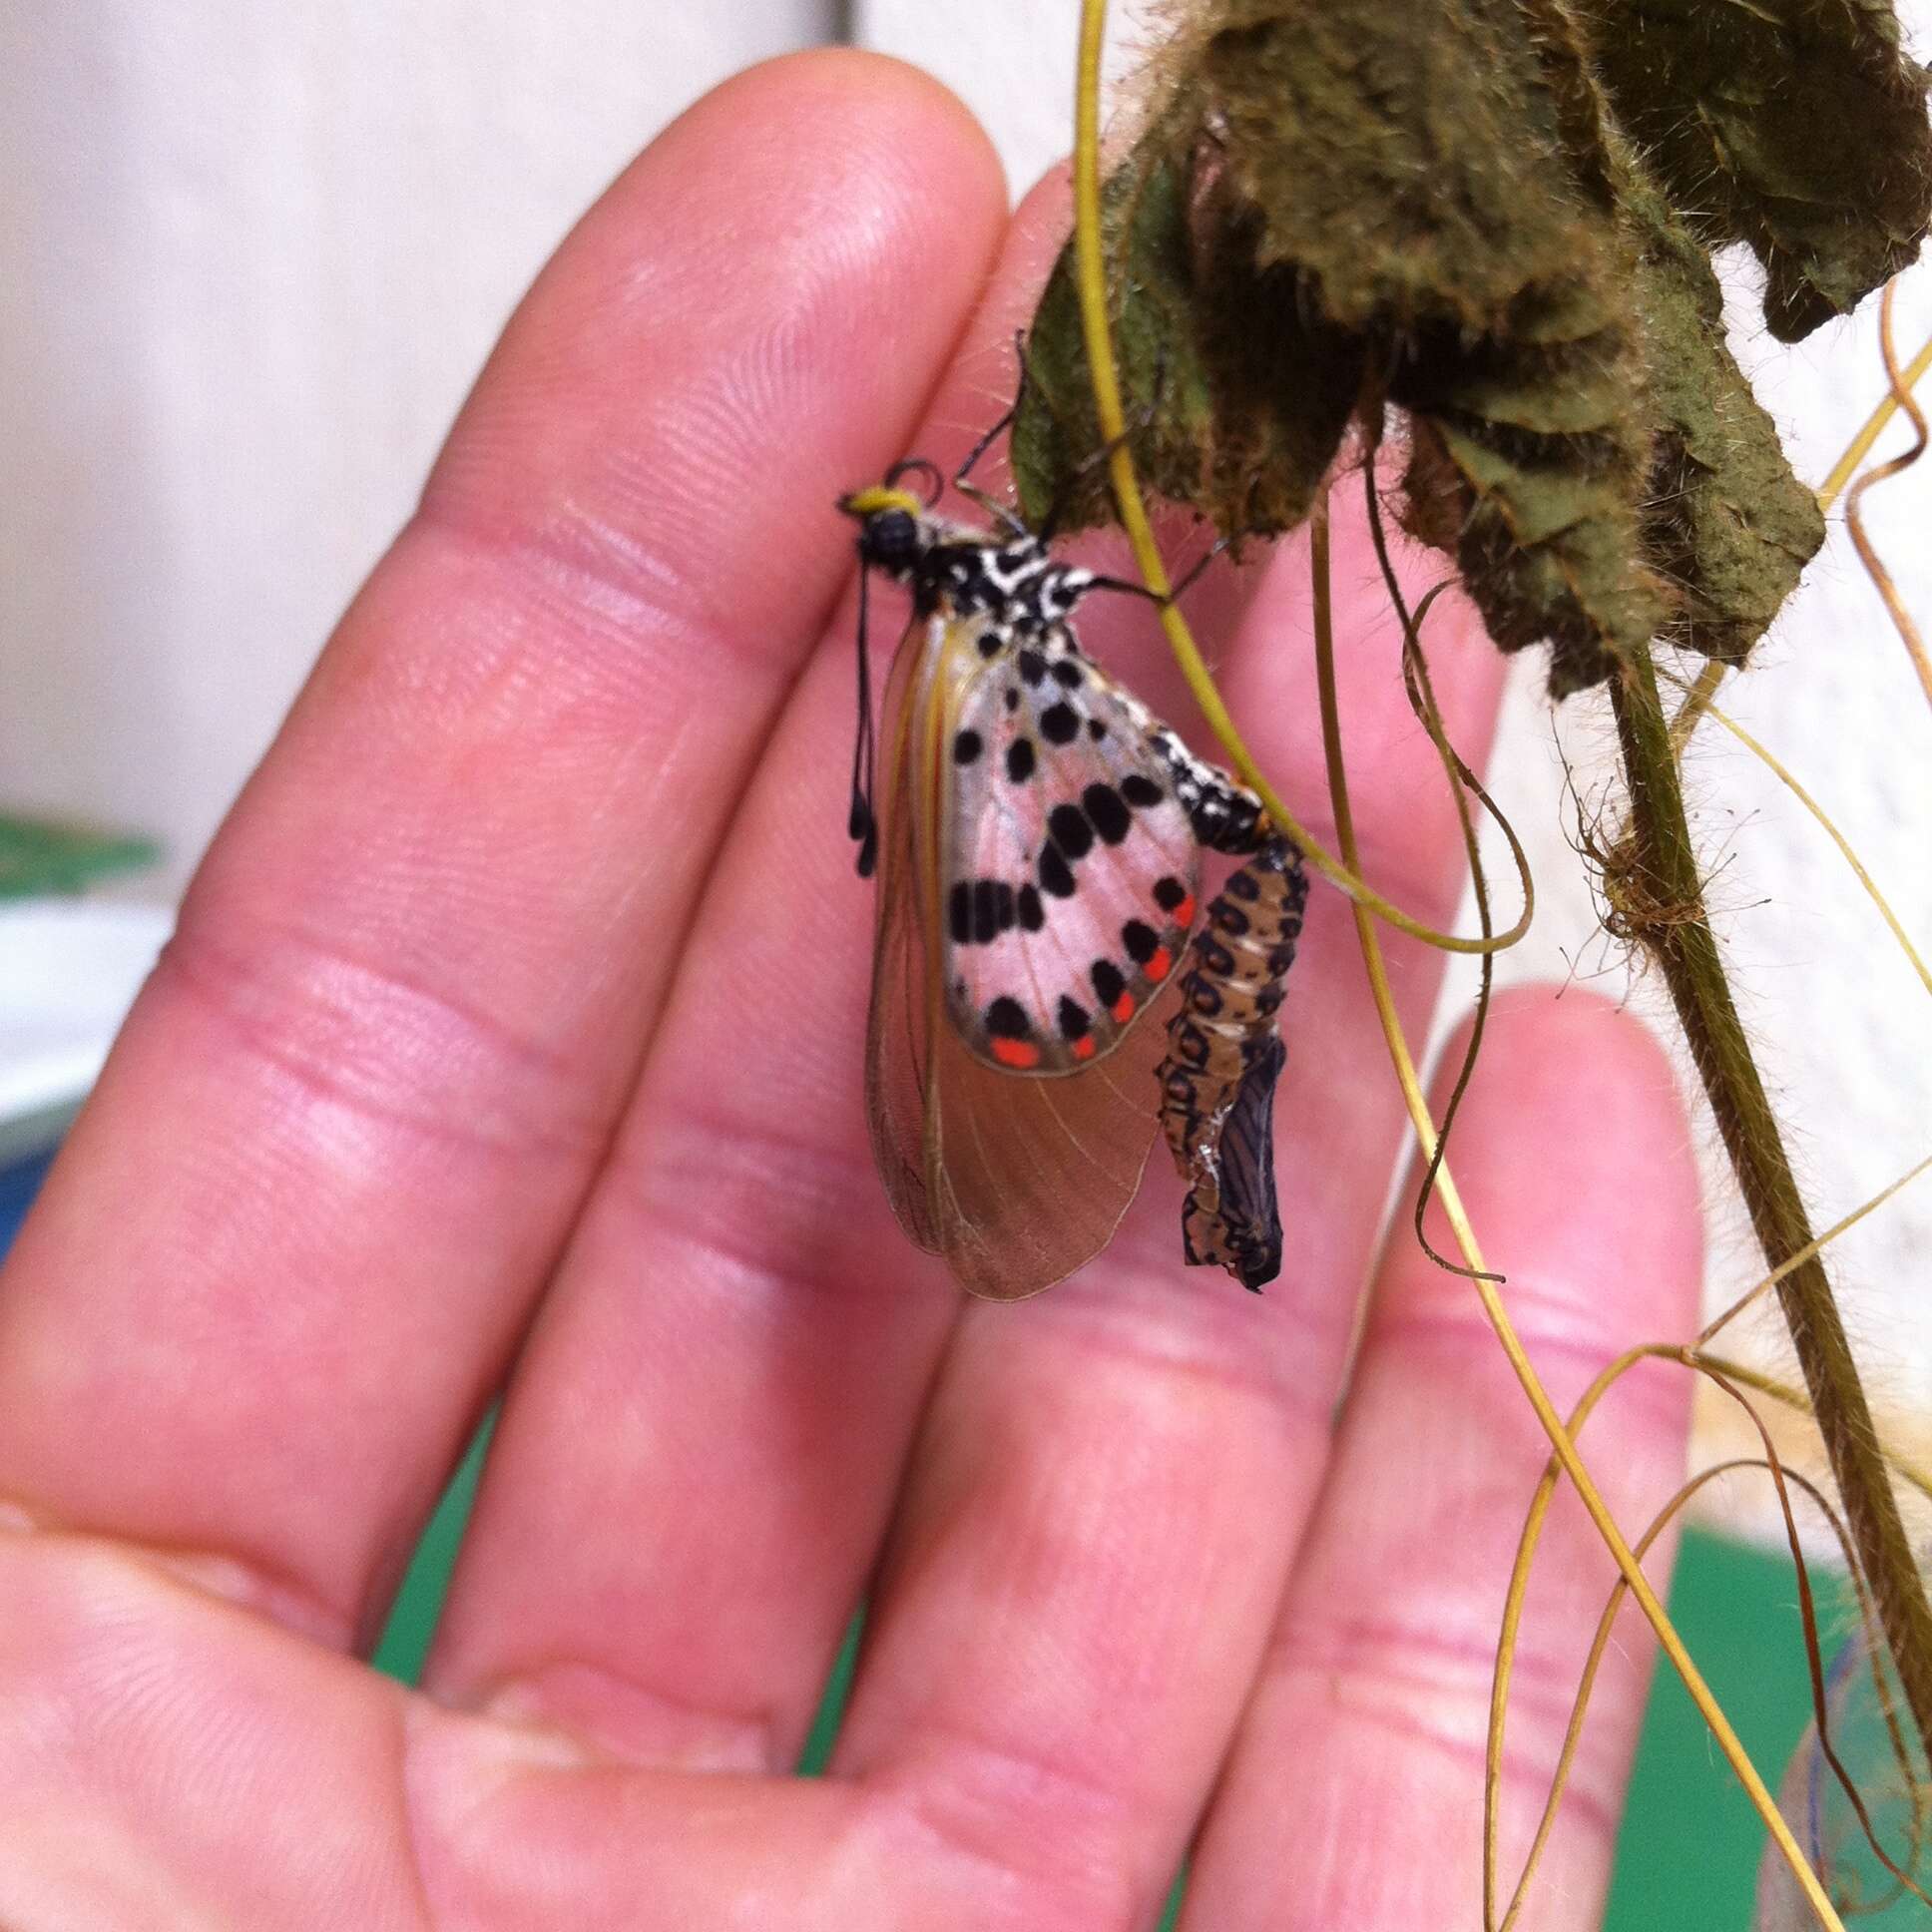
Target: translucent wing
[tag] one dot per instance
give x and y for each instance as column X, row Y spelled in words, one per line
column 1067, row 867
column 1015, row 1181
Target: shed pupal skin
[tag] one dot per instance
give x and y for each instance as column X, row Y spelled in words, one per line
column 1225, row 1058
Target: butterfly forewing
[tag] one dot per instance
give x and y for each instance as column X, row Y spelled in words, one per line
column 1016, row 1182
column 1069, row 867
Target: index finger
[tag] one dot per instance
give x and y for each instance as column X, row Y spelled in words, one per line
column 300, row 1226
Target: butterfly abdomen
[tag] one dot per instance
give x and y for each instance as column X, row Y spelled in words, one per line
column 1224, row 1057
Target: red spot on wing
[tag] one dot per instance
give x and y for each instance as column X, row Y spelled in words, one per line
column 1160, row 964
column 1015, row 1053
column 1084, row 1047
column 1124, row 1009
column 1184, row 914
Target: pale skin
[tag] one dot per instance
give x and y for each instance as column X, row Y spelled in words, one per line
column 511, row 1046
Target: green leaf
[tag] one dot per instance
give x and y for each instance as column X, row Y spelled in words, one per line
column 1341, row 207
column 1416, row 163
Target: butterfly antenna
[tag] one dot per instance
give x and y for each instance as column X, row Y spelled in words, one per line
column 863, row 823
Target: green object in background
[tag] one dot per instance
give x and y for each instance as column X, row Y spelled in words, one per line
column 38, row 858
column 1688, row 1850
column 412, row 1617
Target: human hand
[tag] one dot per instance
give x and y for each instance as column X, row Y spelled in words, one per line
column 510, row 1043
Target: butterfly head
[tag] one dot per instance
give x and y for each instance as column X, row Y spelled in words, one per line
column 896, row 529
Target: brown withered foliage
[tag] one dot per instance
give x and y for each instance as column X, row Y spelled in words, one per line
column 1495, row 218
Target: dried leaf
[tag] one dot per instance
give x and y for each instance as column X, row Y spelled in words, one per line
column 1361, row 203
column 1797, row 126
column 1727, row 521
column 1239, row 396
column 1412, row 162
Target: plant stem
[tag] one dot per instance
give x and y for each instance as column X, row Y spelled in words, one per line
column 1679, row 938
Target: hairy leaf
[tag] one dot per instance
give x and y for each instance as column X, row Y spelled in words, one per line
column 1494, row 217
column 1412, row 162
column 1727, row 520
column 1237, row 395
column 1797, row 126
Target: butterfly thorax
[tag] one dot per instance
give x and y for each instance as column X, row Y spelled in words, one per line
column 1019, row 583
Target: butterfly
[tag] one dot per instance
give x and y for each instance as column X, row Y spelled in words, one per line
column 1038, row 842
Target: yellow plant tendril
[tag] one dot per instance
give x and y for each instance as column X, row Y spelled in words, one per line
column 1110, row 415
column 1810, row 1248
column 1897, row 396
column 1789, row 780
column 1106, row 403
column 1903, row 619
column 1795, row 1398
column 1524, row 1370
column 1606, row 1624
column 1695, row 705
column 1856, row 451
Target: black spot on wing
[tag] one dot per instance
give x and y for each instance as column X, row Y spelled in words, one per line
column 1056, row 875
column 1067, row 673
column 1059, row 724
column 986, row 916
column 1138, row 791
column 1168, row 893
column 1033, row 915
column 1141, row 941
column 967, row 747
column 1019, row 761
column 1071, row 832
column 1106, row 812
column 1074, row 1022
column 1006, row 1018
column 1109, row 981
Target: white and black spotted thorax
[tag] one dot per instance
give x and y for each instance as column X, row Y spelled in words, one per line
column 1014, row 580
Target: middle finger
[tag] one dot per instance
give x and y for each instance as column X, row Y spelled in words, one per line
column 1112, row 1482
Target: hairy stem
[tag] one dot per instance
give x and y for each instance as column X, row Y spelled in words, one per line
column 1675, row 928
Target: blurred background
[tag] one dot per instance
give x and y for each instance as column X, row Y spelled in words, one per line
column 251, row 258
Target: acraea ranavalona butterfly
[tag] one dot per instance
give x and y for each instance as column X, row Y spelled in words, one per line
column 1038, row 843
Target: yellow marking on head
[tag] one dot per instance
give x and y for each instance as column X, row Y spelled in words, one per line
column 870, row 502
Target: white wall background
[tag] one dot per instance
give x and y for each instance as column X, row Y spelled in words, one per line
column 250, row 260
